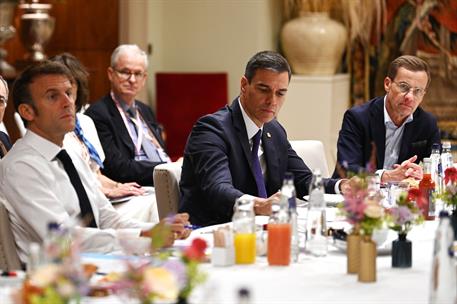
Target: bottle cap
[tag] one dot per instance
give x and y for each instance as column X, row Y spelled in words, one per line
column 446, row 144
column 436, row 146
column 53, row 226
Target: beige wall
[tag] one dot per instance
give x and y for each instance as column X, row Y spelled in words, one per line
column 200, row 35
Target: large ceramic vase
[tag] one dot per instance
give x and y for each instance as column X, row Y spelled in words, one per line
column 353, row 251
column 314, row 44
column 367, row 266
column 401, row 252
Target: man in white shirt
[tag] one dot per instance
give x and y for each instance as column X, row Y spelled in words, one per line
column 37, row 187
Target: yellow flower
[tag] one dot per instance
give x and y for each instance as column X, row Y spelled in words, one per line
column 161, row 283
column 45, row 275
column 373, row 211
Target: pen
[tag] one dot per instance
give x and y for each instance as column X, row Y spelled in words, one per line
column 192, row 227
column 8, row 274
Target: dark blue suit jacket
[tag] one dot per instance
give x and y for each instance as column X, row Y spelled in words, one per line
column 365, row 124
column 120, row 164
column 217, row 165
column 6, row 142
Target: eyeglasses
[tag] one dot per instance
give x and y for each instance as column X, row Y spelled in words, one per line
column 126, row 74
column 406, row 88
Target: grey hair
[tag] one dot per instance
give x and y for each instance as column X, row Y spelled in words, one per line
column 2, row 80
column 130, row 49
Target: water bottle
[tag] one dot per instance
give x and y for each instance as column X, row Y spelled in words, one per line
column 316, row 231
column 446, row 156
column 436, row 167
column 244, row 231
column 279, row 234
column 288, row 189
column 56, row 244
column 443, row 282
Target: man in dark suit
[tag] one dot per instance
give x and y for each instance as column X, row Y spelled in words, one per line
column 5, row 143
column 401, row 131
column 223, row 159
column 127, row 128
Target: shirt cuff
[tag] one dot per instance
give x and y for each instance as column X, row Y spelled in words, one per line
column 379, row 173
column 337, row 187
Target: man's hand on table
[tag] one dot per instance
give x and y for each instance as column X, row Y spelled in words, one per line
column 262, row 206
column 170, row 229
column 405, row 170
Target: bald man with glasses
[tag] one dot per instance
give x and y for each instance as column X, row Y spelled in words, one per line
column 395, row 125
column 127, row 128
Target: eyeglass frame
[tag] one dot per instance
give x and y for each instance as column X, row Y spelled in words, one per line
column 417, row 92
column 127, row 74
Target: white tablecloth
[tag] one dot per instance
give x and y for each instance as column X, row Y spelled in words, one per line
column 324, row 280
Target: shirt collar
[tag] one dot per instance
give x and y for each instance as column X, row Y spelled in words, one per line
column 388, row 121
column 251, row 127
column 46, row 148
column 122, row 103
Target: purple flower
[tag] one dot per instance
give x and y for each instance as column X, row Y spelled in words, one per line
column 402, row 215
column 178, row 268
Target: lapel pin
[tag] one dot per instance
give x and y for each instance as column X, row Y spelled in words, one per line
column 268, row 135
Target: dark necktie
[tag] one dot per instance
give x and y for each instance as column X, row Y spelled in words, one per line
column 86, row 209
column 262, row 191
column 92, row 151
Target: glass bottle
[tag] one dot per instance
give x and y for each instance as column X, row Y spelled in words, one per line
column 427, row 187
column 244, row 231
column 316, row 232
column 56, row 244
column 279, row 234
column 443, row 281
column 446, row 156
column 435, row 157
column 288, row 189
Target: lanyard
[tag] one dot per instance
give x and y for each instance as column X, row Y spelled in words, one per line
column 136, row 122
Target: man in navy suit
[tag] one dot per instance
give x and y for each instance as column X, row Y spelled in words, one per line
column 401, row 131
column 127, row 128
column 219, row 165
column 5, row 143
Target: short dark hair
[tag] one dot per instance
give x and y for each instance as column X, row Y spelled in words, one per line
column 411, row 63
column 21, row 88
column 80, row 75
column 266, row 60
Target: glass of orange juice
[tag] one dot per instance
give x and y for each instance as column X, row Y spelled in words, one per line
column 244, row 231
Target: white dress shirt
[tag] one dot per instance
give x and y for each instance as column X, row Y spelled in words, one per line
column 143, row 207
column 38, row 191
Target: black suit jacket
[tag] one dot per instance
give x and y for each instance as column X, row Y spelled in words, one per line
column 120, row 164
column 365, row 124
column 217, row 165
column 6, row 142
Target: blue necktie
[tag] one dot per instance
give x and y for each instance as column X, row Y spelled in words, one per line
column 92, row 152
column 262, row 191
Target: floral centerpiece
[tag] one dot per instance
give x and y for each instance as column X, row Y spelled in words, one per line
column 362, row 208
column 406, row 213
column 401, row 218
column 54, row 284
column 168, row 280
column 449, row 195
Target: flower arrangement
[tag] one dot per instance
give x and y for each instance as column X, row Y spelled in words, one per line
column 55, row 284
column 406, row 213
column 169, row 280
column 362, row 205
column 449, row 195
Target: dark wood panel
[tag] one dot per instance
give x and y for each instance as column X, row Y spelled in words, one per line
column 87, row 29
